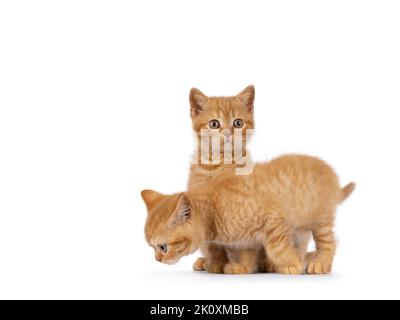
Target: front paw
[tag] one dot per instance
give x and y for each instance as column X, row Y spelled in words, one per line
column 214, row 266
column 199, row 264
column 292, row 269
column 234, row 268
column 318, row 267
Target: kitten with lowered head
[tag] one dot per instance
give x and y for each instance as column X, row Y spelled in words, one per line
column 260, row 211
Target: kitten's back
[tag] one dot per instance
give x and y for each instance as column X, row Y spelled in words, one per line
column 303, row 187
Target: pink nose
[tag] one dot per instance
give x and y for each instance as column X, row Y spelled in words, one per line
column 227, row 133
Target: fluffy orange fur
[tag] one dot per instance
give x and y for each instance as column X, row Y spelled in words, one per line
column 263, row 212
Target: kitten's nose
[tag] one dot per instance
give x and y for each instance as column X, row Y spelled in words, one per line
column 227, row 133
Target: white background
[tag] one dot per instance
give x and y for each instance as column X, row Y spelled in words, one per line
column 94, row 108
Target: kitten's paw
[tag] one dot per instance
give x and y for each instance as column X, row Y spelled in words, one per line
column 199, row 264
column 234, row 268
column 214, row 267
column 292, row 269
column 317, row 267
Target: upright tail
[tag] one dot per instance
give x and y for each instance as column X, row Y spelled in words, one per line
column 347, row 191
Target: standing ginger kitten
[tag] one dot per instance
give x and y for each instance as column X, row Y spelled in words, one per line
column 261, row 211
column 226, row 119
column 233, row 119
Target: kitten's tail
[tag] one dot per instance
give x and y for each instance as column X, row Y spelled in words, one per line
column 347, row 191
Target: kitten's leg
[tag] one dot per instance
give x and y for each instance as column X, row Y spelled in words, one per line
column 214, row 259
column 280, row 250
column 325, row 243
column 241, row 261
column 199, row 264
column 300, row 241
column 310, row 256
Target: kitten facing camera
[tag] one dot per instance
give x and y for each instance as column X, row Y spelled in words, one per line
column 223, row 127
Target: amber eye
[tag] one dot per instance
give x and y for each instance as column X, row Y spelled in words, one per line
column 238, row 123
column 163, row 248
column 214, row 124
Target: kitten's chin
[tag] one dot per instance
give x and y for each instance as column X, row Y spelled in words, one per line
column 171, row 261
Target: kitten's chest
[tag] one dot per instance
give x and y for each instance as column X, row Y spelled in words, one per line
column 200, row 176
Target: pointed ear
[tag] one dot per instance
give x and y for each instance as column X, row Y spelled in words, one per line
column 183, row 211
column 197, row 101
column 151, row 198
column 246, row 98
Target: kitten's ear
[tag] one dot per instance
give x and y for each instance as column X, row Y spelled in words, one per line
column 197, row 101
column 151, row 198
column 183, row 211
column 246, row 98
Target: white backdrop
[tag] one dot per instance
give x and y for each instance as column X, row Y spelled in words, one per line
column 94, row 108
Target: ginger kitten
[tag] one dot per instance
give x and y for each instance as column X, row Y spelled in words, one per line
column 261, row 211
column 225, row 123
column 229, row 123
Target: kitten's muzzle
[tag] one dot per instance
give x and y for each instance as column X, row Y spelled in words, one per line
column 227, row 133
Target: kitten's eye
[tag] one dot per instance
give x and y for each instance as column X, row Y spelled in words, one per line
column 214, row 124
column 238, row 123
column 163, row 248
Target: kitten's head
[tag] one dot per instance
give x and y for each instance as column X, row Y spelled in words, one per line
column 222, row 115
column 169, row 227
